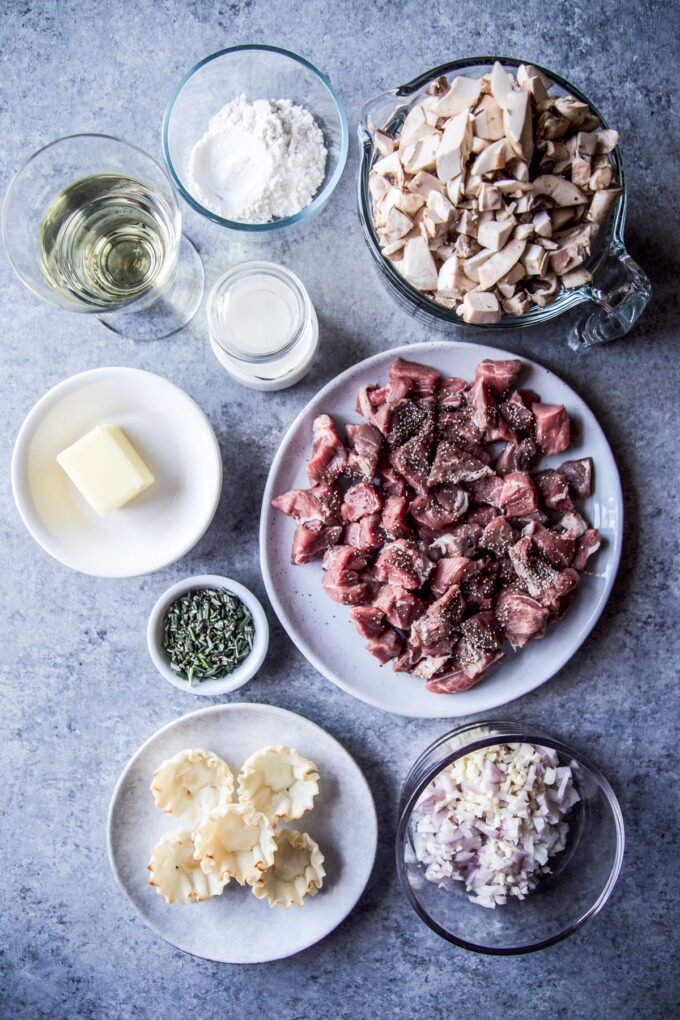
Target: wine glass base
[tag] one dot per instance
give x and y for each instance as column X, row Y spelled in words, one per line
column 173, row 310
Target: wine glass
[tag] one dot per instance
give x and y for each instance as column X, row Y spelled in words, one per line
column 92, row 224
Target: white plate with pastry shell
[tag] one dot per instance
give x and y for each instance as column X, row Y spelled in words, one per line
column 174, row 439
column 236, row 927
column 324, row 631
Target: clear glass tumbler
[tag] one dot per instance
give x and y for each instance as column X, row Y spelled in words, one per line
column 92, row 224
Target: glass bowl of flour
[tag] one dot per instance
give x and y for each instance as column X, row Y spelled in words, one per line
column 255, row 138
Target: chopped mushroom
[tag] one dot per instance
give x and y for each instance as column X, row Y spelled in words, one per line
column 562, row 192
column 494, row 233
column 455, row 147
column 480, row 307
column 602, row 204
column 489, row 197
column 500, row 263
column 461, row 94
column 384, row 143
column 517, row 124
column 418, row 266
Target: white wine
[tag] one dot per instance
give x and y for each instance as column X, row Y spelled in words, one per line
column 105, row 240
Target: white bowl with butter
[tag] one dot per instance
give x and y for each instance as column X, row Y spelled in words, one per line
column 163, row 513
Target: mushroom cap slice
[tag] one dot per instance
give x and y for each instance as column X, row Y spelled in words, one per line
column 561, row 191
column 531, row 79
column 177, row 874
column 297, row 870
column 414, row 127
column 278, row 782
column 495, row 233
column 422, row 154
column 390, row 167
column 398, row 225
column 235, row 843
column 494, row 157
column 423, row 183
column 192, row 783
column 488, row 123
column 500, row 263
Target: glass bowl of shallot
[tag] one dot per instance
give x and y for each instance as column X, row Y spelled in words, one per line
column 508, row 840
column 492, row 194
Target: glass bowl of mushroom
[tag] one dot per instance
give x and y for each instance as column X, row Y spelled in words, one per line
column 492, row 194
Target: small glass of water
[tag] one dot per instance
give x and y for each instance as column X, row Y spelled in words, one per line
column 93, row 224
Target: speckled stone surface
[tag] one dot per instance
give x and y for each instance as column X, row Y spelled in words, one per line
column 79, row 691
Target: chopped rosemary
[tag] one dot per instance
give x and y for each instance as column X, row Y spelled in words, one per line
column 207, row 634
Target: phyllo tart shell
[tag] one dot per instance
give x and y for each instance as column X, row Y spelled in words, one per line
column 176, row 873
column 278, row 783
column 235, row 842
column 191, row 784
column 297, row 870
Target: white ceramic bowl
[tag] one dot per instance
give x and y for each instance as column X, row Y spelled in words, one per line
column 172, row 435
column 218, row 685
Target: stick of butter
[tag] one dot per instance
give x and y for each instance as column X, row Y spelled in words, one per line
column 105, row 467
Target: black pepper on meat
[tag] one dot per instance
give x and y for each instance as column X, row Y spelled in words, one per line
column 510, row 587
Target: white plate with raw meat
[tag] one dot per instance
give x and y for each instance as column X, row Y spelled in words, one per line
column 324, row 630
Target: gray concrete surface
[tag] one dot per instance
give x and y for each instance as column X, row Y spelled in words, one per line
column 79, row 693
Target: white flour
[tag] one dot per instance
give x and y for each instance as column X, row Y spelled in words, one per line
column 258, row 161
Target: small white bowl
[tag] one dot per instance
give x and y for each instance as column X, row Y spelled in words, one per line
column 217, row 685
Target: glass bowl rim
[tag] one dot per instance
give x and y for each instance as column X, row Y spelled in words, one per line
column 172, row 197
column 319, row 199
column 242, row 270
column 417, row 300
column 509, row 733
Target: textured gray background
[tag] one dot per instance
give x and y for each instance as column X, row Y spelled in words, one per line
column 79, row 691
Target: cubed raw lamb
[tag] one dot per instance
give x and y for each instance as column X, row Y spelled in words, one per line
column 386, row 646
column 365, row 534
column 403, row 563
column 400, row 607
column 521, row 616
column 424, row 378
column 394, row 520
column 369, row 621
column 310, row 541
column 552, row 428
column 498, row 536
column 360, row 501
column 589, row 542
column 439, row 555
column 518, row 494
column 498, row 375
column 365, row 443
column 329, row 456
column 553, row 489
column 579, row 474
